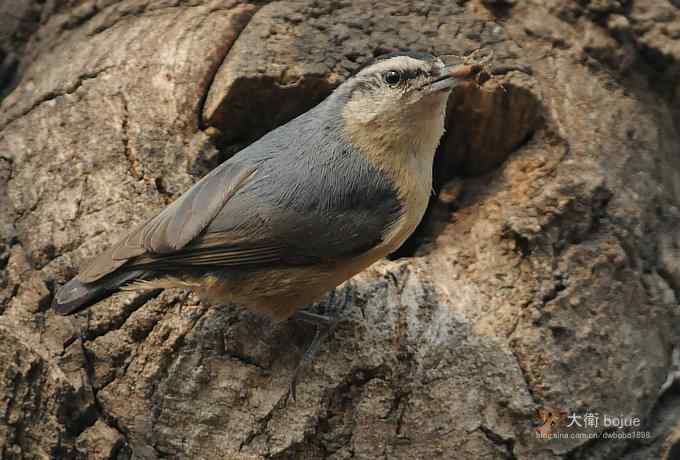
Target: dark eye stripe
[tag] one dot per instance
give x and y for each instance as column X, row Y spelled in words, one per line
column 412, row 73
column 372, row 84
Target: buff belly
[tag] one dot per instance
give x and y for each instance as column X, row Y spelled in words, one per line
column 277, row 292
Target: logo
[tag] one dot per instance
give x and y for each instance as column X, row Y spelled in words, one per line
column 554, row 423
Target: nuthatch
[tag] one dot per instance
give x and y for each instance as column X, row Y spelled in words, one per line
column 302, row 209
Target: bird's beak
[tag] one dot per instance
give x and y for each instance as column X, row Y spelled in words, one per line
column 452, row 75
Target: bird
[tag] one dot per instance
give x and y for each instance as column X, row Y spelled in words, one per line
column 293, row 215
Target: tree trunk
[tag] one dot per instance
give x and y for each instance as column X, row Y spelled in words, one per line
column 546, row 273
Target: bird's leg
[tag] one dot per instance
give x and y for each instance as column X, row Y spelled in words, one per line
column 325, row 325
column 313, row 318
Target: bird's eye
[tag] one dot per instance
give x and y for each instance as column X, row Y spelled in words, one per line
column 392, row 77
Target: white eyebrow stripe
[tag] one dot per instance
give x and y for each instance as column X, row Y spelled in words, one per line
column 397, row 62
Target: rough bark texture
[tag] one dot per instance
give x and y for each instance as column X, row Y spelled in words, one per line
column 547, row 272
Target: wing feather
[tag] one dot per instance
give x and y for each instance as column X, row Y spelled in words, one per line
column 177, row 225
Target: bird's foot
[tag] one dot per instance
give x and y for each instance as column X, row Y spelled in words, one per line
column 325, row 324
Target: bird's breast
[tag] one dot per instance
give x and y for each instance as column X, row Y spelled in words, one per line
column 415, row 195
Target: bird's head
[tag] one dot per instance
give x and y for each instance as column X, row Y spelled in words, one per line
column 400, row 99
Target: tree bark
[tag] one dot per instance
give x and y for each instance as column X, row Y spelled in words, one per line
column 545, row 274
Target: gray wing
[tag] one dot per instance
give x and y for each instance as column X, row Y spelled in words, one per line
column 291, row 213
column 175, row 226
column 292, row 209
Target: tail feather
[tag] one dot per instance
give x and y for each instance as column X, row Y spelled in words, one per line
column 75, row 295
